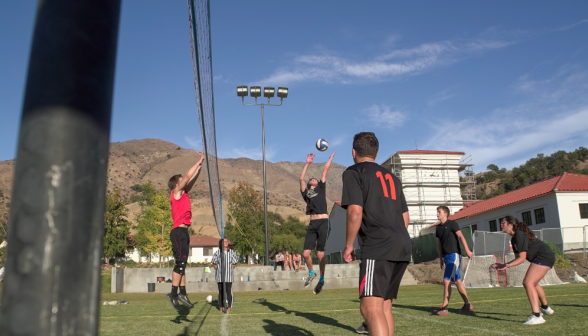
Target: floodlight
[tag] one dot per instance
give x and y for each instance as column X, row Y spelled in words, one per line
column 268, row 92
column 242, row 91
column 255, row 91
column 283, row 92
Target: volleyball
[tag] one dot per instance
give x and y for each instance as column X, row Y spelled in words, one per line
column 209, row 299
column 322, row 145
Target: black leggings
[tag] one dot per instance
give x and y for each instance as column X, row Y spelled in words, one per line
column 229, row 286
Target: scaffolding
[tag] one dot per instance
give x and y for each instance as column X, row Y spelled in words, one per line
column 430, row 180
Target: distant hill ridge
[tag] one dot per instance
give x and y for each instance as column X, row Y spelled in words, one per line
column 153, row 160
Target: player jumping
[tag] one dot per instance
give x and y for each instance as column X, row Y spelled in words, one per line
column 377, row 210
column 181, row 210
column 449, row 236
column 314, row 194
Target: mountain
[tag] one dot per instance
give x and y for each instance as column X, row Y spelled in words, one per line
column 152, row 160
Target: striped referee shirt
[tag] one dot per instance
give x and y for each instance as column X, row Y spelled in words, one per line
column 227, row 271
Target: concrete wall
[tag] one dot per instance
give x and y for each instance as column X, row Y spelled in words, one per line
column 569, row 216
column 134, row 280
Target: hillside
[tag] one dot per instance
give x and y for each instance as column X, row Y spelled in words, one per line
column 152, row 160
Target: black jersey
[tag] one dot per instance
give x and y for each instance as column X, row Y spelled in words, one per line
column 447, row 234
column 382, row 235
column 535, row 248
column 316, row 199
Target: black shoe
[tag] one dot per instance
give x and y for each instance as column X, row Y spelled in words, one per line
column 309, row 280
column 363, row 329
column 173, row 300
column 185, row 301
column 318, row 288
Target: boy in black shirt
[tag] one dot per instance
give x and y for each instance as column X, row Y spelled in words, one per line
column 377, row 210
column 315, row 195
column 448, row 233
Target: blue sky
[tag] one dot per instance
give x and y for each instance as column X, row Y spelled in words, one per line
column 500, row 81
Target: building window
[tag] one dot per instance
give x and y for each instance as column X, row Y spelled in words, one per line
column 207, row 252
column 527, row 218
column 539, row 216
column 584, row 210
column 500, row 222
column 493, row 225
column 474, row 228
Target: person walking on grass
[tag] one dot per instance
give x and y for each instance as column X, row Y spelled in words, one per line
column 279, row 260
column 181, row 210
column 314, row 194
column 378, row 213
column 224, row 274
column 527, row 247
column 449, row 235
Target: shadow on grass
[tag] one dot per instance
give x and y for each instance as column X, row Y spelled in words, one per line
column 313, row 317
column 276, row 329
column 182, row 316
column 187, row 330
column 429, row 310
column 569, row 305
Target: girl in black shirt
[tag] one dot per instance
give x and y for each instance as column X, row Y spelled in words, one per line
column 542, row 259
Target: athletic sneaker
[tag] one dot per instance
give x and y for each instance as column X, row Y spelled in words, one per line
column 441, row 311
column 309, row 280
column 467, row 307
column 123, row 301
column 183, row 298
column 318, row 288
column 362, row 329
column 532, row 320
column 547, row 311
column 173, row 300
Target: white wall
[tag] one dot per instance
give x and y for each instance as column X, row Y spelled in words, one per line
column 197, row 254
column 569, row 217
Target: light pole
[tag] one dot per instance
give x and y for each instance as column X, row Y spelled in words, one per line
column 268, row 92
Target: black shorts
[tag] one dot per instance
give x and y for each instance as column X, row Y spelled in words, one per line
column 317, row 234
column 180, row 239
column 380, row 278
column 543, row 260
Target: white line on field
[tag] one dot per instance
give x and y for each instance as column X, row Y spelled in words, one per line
column 395, row 312
column 224, row 325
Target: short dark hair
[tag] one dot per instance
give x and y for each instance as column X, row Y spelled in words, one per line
column 366, row 144
column 444, row 208
column 171, row 184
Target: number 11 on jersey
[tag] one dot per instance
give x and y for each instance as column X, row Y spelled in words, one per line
column 391, row 181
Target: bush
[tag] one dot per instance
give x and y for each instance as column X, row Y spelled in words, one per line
column 561, row 259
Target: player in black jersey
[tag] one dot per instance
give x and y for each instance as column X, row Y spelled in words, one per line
column 527, row 247
column 314, row 194
column 377, row 211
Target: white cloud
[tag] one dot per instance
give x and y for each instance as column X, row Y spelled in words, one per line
column 441, row 96
column 193, row 142
column 384, row 117
column 251, row 153
column 553, row 113
column 329, row 68
column 572, row 25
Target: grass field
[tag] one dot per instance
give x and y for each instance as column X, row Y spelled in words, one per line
column 498, row 311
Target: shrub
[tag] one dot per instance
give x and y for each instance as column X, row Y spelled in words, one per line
column 561, row 259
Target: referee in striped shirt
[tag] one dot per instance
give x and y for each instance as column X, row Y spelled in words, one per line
column 226, row 275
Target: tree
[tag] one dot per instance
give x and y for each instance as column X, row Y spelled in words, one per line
column 493, row 167
column 116, row 225
column 154, row 224
column 245, row 220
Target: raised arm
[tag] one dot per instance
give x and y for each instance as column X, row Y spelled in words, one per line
column 354, row 215
column 191, row 175
column 309, row 159
column 327, row 166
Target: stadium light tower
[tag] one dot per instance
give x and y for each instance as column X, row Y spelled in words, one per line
column 268, row 92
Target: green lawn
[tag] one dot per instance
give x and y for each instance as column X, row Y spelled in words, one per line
column 336, row 312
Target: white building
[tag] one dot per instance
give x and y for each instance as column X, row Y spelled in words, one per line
column 555, row 209
column 430, row 179
column 202, row 249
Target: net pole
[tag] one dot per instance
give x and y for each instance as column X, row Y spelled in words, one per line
column 223, row 258
column 52, row 285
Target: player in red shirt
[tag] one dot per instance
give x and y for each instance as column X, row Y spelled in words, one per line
column 181, row 210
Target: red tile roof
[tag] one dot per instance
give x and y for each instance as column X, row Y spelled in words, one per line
column 423, row 151
column 202, row 241
column 564, row 182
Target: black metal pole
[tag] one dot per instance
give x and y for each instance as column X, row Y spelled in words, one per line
column 266, row 261
column 52, row 284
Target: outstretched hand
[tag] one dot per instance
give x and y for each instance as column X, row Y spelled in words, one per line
column 202, row 153
column 332, row 155
column 499, row 267
column 309, row 158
